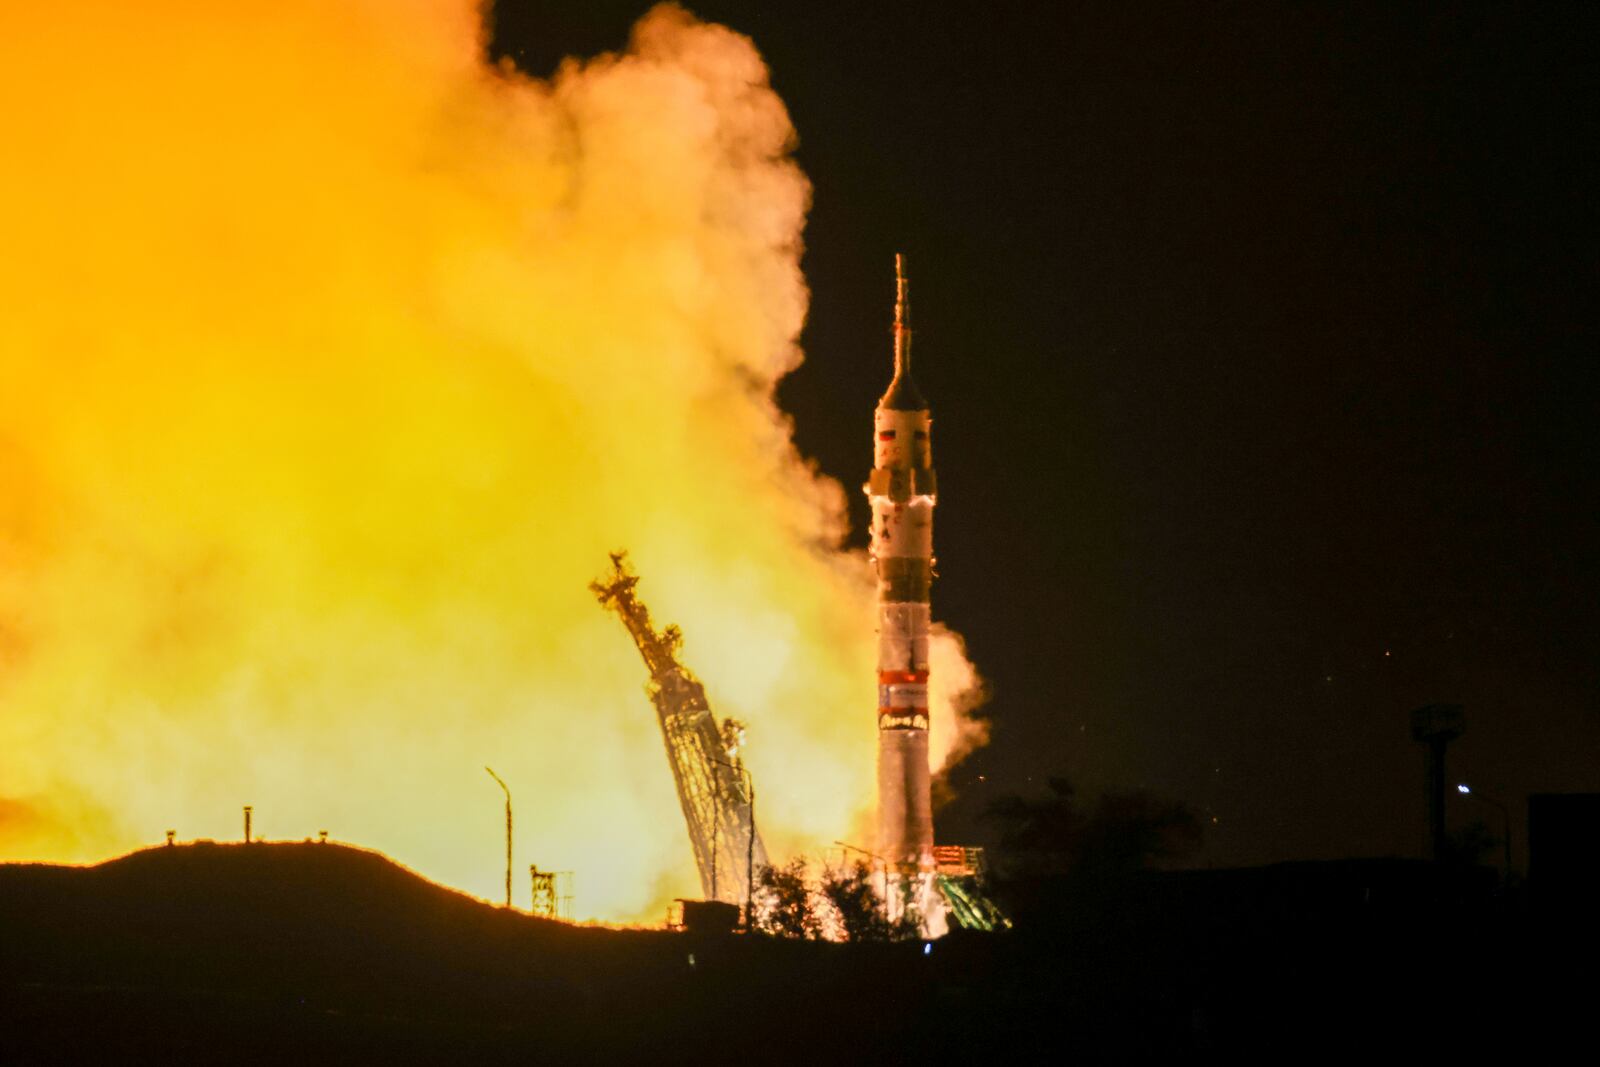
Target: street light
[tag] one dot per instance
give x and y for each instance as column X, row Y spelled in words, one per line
column 1467, row 791
column 507, row 790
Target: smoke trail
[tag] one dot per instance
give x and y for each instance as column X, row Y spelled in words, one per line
column 334, row 361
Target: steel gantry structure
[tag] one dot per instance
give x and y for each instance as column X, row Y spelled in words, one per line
column 714, row 788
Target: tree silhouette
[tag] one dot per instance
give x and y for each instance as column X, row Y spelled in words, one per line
column 1053, row 847
column 783, row 901
column 1471, row 845
column 861, row 911
column 856, row 903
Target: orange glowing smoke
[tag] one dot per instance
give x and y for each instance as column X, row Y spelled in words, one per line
column 332, row 362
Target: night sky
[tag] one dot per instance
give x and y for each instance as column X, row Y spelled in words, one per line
column 1257, row 337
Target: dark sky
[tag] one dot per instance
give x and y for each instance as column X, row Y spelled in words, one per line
column 1258, row 339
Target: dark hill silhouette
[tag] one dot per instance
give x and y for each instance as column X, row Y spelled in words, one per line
column 302, row 953
column 265, row 951
column 251, row 914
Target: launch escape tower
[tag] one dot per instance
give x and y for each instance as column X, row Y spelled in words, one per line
column 902, row 490
column 713, row 786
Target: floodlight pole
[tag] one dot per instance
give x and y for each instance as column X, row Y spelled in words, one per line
column 507, row 790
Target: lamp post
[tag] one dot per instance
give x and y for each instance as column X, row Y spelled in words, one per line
column 507, row 791
column 1505, row 813
column 749, row 848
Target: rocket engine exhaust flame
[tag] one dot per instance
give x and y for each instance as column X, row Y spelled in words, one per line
column 332, row 358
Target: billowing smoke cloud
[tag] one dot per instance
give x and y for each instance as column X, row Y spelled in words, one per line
column 332, row 362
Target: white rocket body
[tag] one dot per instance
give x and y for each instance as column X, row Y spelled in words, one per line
column 902, row 491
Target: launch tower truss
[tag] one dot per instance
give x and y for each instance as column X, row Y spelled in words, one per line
column 552, row 893
column 714, row 788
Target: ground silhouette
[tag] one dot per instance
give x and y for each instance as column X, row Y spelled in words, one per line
column 306, row 953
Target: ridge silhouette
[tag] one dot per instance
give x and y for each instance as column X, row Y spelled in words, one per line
column 306, row 953
column 261, row 952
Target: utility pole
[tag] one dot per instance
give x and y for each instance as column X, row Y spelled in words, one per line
column 507, row 791
column 750, row 852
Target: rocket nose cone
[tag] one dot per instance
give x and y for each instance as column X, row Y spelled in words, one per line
column 903, row 395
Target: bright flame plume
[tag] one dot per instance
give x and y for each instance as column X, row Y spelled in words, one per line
column 332, row 362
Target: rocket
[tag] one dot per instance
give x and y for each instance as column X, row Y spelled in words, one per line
column 902, row 491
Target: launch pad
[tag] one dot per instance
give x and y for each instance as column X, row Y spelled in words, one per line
column 717, row 793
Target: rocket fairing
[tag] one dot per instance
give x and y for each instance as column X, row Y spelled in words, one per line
column 902, row 491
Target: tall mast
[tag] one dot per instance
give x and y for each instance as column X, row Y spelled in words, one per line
column 902, row 317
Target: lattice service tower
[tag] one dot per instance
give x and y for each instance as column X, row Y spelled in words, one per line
column 714, row 788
